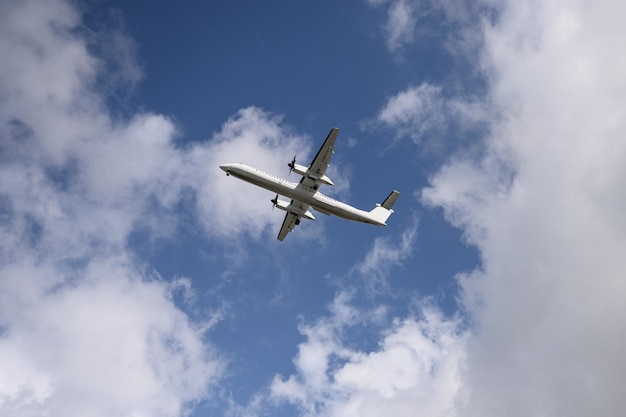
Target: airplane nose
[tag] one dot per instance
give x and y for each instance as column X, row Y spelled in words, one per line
column 226, row 168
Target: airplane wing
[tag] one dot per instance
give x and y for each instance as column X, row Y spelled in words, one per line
column 288, row 225
column 318, row 166
column 292, row 218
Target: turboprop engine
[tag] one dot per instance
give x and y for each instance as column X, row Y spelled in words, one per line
column 304, row 171
column 285, row 206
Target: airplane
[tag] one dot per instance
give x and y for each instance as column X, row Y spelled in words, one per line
column 304, row 194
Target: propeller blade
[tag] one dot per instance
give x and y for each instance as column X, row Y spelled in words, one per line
column 274, row 202
column 292, row 164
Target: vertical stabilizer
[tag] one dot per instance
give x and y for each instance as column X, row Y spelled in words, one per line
column 390, row 200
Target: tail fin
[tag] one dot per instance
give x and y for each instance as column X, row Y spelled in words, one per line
column 390, row 200
column 381, row 212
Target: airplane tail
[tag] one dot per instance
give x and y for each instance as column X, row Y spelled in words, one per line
column 381, row 212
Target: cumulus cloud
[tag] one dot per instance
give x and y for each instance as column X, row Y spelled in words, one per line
column 110, row 344
column 253, row 137
column 85, row 328
column 413, row 370
column 413, row 367
column 541, row 205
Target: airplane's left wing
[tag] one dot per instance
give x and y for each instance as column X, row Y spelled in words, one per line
column 320, row 163
column 292, row 218
column 288, row 225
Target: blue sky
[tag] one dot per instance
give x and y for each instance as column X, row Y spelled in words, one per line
column 136, row 279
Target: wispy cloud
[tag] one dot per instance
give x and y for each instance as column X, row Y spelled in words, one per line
column 386, row 253
column 402, row 17
column 400, row 26
column 457, row 21
column 415, row 111
column 425, row 115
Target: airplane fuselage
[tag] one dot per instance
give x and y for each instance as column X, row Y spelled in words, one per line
column 297, row 191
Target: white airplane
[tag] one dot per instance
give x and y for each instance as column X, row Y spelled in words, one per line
column 304, row 194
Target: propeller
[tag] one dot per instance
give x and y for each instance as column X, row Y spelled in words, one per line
column 292, row 164
column 274, row 202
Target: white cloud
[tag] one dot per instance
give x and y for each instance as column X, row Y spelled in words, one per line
column 84, row 330
column 545, row 300
column 402, row 16
column 415, row 111
column 414, row 369
column 386, row 253
column 457, row 21
column 424, row 115
column 110, row 344
column 400, row 27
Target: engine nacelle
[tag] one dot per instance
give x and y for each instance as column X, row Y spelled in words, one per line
column 326, row 180
column 300, row 169
column 304, row 171
column 286, row 206
column 281, row 204
column 308, row 215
